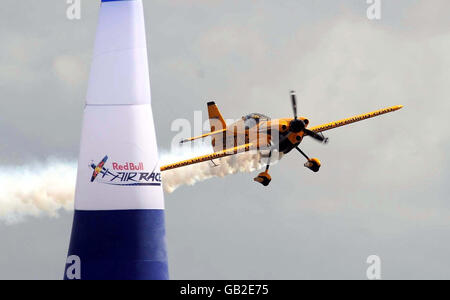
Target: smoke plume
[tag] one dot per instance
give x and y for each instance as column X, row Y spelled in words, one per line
column 46, row 189
column 190, row 175
column 36, row 190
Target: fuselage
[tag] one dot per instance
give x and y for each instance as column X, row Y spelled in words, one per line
column 262, row 133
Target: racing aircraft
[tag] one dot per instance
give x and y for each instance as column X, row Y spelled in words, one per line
column 258, row 132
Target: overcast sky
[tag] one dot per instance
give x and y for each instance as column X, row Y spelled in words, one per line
column 384, row 182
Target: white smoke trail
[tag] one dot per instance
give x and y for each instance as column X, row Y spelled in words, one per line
column 46, row 189
column 38, row 190
column 190, row 175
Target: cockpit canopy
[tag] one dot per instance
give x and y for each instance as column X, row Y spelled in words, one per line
column 256, row 117
column 252, row 119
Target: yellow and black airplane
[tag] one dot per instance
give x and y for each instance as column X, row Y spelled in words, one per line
column 257, row 132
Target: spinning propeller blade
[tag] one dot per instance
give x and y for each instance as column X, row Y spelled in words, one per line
column 294, row 104
column 316, row 136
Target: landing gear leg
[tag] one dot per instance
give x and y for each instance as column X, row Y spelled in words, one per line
column 303, row 153
column 313, row 163
column 264, row 177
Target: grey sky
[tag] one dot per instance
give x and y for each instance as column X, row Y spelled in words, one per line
column 382, row 188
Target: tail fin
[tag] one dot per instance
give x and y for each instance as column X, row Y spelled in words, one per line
column 217, row 123
column 216, row 120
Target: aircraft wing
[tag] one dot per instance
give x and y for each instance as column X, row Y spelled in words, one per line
column 354, row 119
column 221, row 131
column 208, row 157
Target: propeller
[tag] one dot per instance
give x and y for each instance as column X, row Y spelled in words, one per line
column 318, row 137
column 298, row 125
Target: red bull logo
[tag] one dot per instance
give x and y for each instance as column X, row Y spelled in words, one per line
column 124, row 174
column 128, row 167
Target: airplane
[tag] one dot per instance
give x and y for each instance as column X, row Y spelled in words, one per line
column 258, row 132
column 98, row 168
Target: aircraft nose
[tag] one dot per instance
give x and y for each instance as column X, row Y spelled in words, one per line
column 297, row 125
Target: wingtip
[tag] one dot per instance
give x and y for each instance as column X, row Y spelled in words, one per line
column 399, row 107
column 211, row 103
